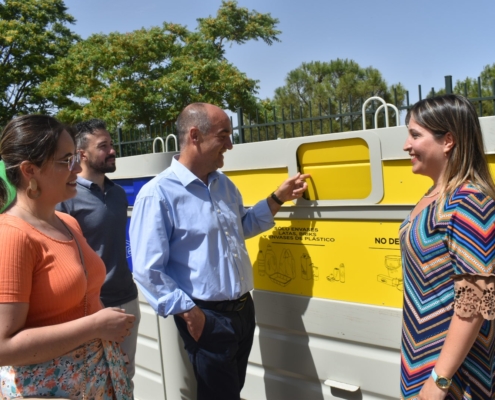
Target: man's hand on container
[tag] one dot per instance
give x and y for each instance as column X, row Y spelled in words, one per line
column 291, row 189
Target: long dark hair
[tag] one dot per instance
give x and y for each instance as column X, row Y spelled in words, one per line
column 32, row 138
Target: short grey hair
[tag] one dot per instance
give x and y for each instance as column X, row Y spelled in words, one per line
column 194, row 115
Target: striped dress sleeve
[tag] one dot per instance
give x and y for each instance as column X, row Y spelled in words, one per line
column 471, row 242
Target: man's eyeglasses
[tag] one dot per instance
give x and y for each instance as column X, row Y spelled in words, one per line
column 71, row 161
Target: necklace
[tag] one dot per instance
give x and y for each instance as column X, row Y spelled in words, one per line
column 432, row 195
column 67, row 232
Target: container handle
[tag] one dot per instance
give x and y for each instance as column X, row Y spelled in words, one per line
column 175, row 141
column 386, row 120
column 154, row 142
column 340, row 385
column 385, row 106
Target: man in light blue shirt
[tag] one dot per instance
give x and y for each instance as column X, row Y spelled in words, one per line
column 187, row 232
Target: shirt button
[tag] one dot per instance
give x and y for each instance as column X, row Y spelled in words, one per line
column 235, row 255
column 218, row 211
column 226, row 233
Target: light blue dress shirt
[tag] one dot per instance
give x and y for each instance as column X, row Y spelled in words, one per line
column 188, row 239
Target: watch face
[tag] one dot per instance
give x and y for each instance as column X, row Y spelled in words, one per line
column 443, row 383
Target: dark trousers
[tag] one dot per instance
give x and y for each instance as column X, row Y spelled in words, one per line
column 220, row 356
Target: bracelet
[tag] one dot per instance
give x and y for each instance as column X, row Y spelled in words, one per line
column 276, row 199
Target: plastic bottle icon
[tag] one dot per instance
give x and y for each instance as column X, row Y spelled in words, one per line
column 306, row 267
column 287, row 265
column 338, row 274
column 270, row 261
column 316, row 272
column 261, row 263
column 342, row 273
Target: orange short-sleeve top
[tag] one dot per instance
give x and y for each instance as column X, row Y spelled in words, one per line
column 48, row 273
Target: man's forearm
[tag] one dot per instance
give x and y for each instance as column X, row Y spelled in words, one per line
column 273, row 205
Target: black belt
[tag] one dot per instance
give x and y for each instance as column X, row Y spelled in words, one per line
column 223, row 306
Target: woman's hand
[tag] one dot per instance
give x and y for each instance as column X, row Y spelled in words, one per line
column 430, row 391
column 113, row 324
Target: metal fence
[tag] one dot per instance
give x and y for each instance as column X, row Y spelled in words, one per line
column 142, row 140
column 295, row 122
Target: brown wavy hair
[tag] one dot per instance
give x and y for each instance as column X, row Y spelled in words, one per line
column 467, row 162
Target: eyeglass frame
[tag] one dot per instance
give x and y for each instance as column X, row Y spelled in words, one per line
column 71, row 161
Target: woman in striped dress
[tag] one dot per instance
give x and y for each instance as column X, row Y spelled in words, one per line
column 448, row 255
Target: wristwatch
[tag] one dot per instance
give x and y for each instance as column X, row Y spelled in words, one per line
column 441, row 381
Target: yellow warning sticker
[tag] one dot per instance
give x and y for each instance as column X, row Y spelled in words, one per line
column 355, row 261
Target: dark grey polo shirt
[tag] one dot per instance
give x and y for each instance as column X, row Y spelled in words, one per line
column 103, row 219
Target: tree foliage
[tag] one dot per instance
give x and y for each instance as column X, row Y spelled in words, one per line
column 473, row 88
column 334, row 87
column 33, row 36
column 150, row 75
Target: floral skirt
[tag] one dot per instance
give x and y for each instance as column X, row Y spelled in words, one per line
column 95, row 370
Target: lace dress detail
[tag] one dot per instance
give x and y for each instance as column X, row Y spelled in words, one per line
column 474, row 294
column 448, row 263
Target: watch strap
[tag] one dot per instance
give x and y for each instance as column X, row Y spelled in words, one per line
column 441, row 381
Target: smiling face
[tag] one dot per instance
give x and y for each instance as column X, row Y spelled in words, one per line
column 56, row 182
column 428, row 153
column 216, row 142
column 99, row 154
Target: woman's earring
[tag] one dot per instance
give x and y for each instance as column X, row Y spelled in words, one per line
column 32, row 190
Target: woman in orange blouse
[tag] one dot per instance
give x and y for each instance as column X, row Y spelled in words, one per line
column 56, row 339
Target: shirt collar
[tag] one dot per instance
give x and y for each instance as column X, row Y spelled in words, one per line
column 185, row 176
column 87, row 184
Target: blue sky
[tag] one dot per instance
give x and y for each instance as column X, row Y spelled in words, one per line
column 412, row 42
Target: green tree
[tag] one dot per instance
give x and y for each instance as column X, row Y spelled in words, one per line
column 149, row 75
column 338, row 86
column 33, row 36
column 474, row 88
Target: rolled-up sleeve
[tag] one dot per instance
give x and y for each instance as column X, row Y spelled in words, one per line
column 149, row 233
column 256, row 219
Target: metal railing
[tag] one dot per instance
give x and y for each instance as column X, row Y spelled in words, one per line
column 142, row 140
column 296, row 122
column 281, row 124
